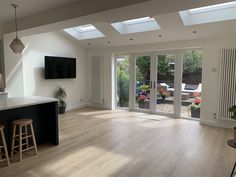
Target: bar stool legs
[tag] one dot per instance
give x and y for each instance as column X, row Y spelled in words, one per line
column 34, row 141
column 3, row 147
column 23, row 136
column 13, row 141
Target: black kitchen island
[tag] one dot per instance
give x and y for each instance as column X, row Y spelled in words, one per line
column 43, row 111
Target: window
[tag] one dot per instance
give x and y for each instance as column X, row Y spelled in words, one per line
column 213, row 7
column 84, row 32
column 136, row 25
column 86, row 28
column 138, row 20
column 209, row 14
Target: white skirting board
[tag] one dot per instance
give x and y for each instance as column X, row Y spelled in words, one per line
column 70, row 108
column 218, row 123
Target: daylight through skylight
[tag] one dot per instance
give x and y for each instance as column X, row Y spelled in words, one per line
column 84, row 32
column 213, row 7
column 136, row 25
column 85, row 28
column 137, row 20
column 209, row 14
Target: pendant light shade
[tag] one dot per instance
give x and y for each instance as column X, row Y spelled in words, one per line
column 16, row 45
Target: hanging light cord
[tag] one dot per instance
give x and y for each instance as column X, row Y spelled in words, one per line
column 16, row 22
column 15, row 6
column 16, row 45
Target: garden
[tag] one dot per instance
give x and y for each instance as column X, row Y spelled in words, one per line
column 191, row 83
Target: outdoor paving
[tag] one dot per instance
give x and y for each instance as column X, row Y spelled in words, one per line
column 169, row 108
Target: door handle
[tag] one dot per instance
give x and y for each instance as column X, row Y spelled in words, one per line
column 154, row 84
column 151, row 84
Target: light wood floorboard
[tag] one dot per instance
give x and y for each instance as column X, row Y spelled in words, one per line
column 102, row 143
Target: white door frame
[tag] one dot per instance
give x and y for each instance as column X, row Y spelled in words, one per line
column 178, row 78
column 133, row 78
column 153, row 79
column 115, row 75
column 177, row 81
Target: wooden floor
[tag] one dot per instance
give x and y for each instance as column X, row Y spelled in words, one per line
column 101, row 143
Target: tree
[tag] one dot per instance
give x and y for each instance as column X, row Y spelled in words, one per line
column 192, row 61
column 123, row 83
column 143, row 69
column 192, row 66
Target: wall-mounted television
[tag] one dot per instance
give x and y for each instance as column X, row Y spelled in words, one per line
column 59, row 67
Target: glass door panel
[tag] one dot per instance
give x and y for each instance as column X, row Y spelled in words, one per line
column 142, row 84
column 191, row 83
column 122, row 82
column 164, row 86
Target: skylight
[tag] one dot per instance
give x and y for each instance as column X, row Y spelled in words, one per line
column 86, row 28
column 84, row 32
column 137, row 20
column 209, row 14
column 136, row 25
column 213, row 7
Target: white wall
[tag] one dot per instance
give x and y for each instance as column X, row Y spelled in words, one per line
column 210, row 80
column 28, row 77
column 24, row 73
column 13, row 69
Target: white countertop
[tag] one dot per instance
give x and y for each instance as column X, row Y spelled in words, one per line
column 17, row 102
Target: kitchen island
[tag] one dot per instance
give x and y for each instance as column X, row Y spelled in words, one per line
column 43, row 111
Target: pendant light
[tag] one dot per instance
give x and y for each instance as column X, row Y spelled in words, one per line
column 16, row 45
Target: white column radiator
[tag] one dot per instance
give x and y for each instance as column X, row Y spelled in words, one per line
column 227, row 83
column 96, row 69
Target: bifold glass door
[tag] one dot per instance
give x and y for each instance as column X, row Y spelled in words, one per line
column 164, row 83
column 154, row 82
column 191, row 83
column 122, row 81
column 142, row 84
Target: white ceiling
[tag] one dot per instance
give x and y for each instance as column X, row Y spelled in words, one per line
column 27, row 7
column 62, row 14
column 35, row 13
column 172, row 29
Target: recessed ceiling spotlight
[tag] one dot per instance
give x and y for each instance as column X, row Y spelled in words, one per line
column 159, row 35
column 131, row 39
column 108, row 42
column 194, row 32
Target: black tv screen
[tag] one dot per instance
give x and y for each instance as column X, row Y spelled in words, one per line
column 60, row 67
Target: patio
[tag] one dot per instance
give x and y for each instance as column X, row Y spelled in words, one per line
column 167, row 106
column 163, row 88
